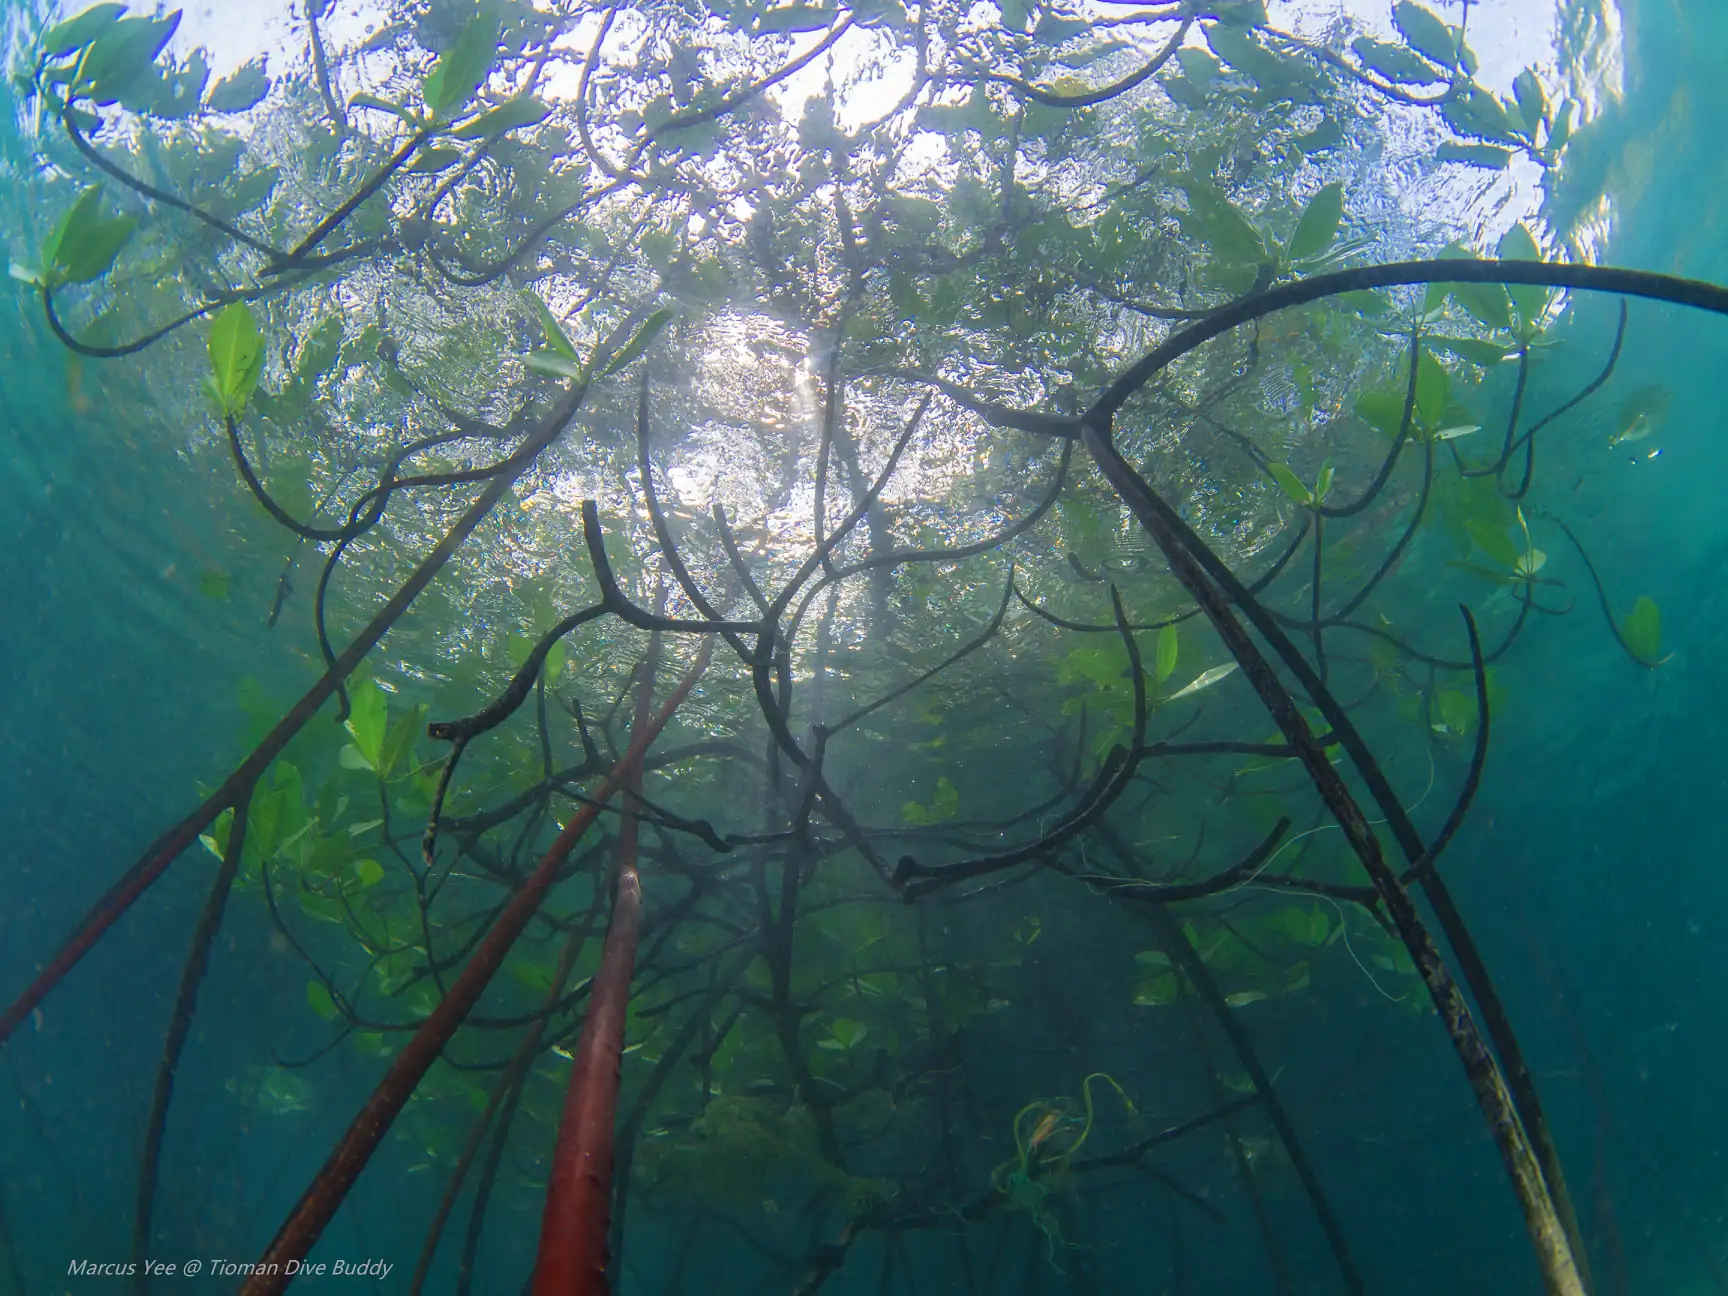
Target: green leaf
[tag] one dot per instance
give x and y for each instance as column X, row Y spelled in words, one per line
column 242, row 91
column 641, row 342
column 1165, row 665
column 794, row 18
column 554, row 365
column 1427, row 34
column 319, row 997
column 236, row 357
column 849, row 1033
column 1382, row 410
column 349, row 758
column 84, row 244
column 1323, row 483
column 1213, row 220
column 369, row 871
column 1529, row 300
column 1494, row 542
column 1474, row 111
column 1532, row 103
column 556, row 338
column 1475, row 350
column 1291, row 484
column 1158, row 991
column 433, row 160
column 1561, row 130
column 122, row 55
column 463, row 68
column 1486, row 156
column 1454, row 712
column 320, row 350
column 1365, row 302
column 383, row 105
column 76, row 32
column 368, row 708
column 1486, row 302
column 1205, row 680
column 1642, row 630
column 1432, row 387
column 1395, row 62
column 513, row 114
column 400, row 740
column 214, row 585
column 1318, row 225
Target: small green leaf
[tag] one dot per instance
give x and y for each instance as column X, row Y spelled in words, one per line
column 1453, row 712
column 1323, row 483
column 84, row 243
column 1532, row 103
column 214, row 585
column 368, row 709
column 1529, row 300
column 554, row 365
column 1382, row 410
column 794, row 18
column 463, row 68
column 1215, row 221
column 1427, row 34
column 1486, row 302
column 123, row 56
column 1158, row 991
column 1476, row 350
column 1476, row 112
column 1291, row 484
column 556, row 338
column 1396, row 63
column 242, row 91
column 320, row 350
column 236, row 357
column 400, row 740
column 369, row 871
column 383, row 105
column 349, row 758
column 433, row 160
column 1165, row 665
column 1486, row 156
column 1318, row 225
column 1493, row 541
column 1205, row 680
column 319, row 997
column 1433, row 384
column 1642, row 630
column 641, row 342
column 76, row 32
column 513, row 114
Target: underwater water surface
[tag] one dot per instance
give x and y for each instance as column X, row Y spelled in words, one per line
column 846, row 1069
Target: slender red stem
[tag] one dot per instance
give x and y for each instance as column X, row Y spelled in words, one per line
column 578, row 1214
column 318, row 1205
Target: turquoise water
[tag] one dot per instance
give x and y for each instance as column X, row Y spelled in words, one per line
column 1590, row 867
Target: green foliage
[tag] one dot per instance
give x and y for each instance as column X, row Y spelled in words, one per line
column 464, row 67
column 242, row 91
column 1165, row 660
column 84, row 244
column 943, row 806
column 1318, row 225
column 1427, row 34
column 1641, row 629
column 76, row 32
column 236, row 351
